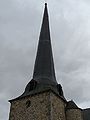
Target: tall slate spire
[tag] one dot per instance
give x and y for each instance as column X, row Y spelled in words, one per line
column 44, row 66
column 44, row 73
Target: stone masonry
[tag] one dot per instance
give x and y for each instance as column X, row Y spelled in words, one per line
column 74, row 114
column 57, row 108
column 43, row 106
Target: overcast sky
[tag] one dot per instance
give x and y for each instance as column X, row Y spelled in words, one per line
column 20, row 22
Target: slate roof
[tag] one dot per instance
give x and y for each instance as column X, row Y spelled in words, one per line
column 44, row 73
column 71, row 105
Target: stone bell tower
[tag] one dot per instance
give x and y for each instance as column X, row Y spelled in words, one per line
column 43, row 97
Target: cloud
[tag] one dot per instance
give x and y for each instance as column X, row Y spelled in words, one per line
column 19, row 31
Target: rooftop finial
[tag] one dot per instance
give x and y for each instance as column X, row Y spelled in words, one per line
column 45, row 4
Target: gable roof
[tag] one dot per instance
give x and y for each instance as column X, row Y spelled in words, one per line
column 71, row 105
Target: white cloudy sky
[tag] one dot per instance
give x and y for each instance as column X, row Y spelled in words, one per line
column 20, row 22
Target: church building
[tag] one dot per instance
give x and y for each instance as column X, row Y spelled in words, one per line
column 43, row 98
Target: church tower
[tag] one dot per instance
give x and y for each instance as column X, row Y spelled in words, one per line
column 43, row 97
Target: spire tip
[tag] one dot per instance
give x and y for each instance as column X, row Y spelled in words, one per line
column 45, row 4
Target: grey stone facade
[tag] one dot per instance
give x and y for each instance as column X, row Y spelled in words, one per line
column 74, row 114
column 43, row 106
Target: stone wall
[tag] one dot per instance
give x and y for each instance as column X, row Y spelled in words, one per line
column 57, row 108
column 43, row 106
column 74, row 114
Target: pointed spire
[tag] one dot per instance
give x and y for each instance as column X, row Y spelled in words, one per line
column 44, row 73
column 45, row 32
column 44, row 66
